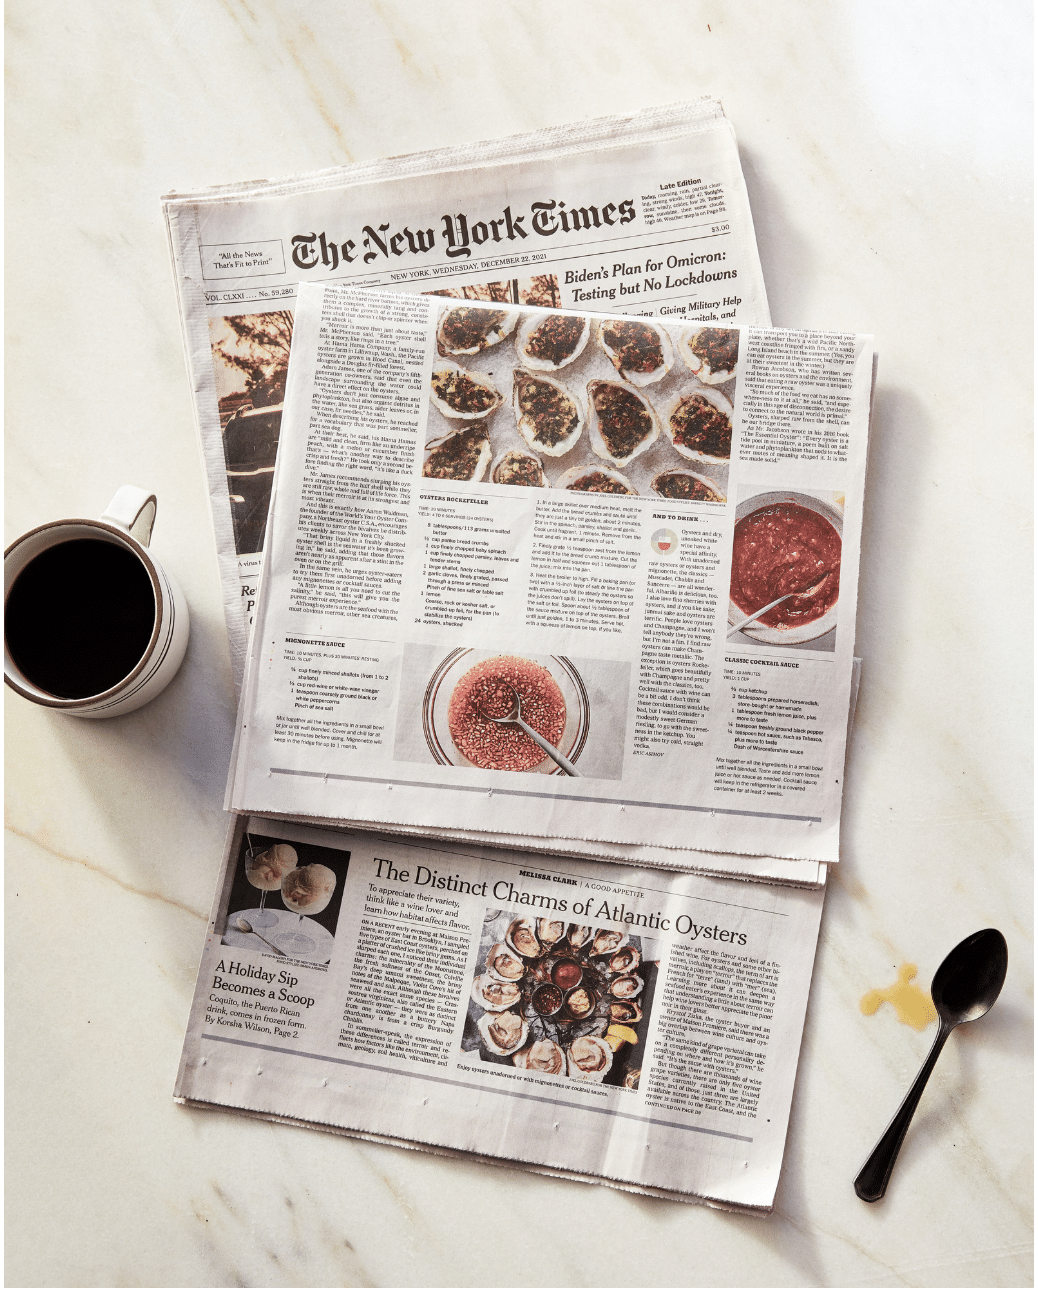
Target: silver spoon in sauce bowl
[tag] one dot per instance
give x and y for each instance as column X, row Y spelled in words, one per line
column 790, row 595
column 514, row 718
column 964, row 987
column 244, row 926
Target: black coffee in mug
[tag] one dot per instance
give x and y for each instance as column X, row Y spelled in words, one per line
column 79, row 617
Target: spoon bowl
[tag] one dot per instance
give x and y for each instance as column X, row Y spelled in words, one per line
column 514, row 717
column 243, row 925
column 964, row 987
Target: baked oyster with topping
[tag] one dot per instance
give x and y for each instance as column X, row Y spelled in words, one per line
column 711, row 352
column 468, row 329
column 462, row 455
column 495, row 995
column 549, row 416
column 504, row 964
column 589, row 1058
column 463, row 395
column 520, row 468
column 595, row 479
column 699, row 425
column 543, row 1055
column 623, row 423
column 503, row 1032
column 546, row 342
column 684, row 486
column 640, row 351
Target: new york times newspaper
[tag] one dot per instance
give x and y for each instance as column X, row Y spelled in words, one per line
column 594, row 1022
column 641, row 214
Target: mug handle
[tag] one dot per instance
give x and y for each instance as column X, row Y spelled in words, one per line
column 133, row 509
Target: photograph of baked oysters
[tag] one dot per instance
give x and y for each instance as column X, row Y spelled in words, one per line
column 711, row 352
column 579, row 403
column 462, row 455
column 467, row 329
column 561, row 998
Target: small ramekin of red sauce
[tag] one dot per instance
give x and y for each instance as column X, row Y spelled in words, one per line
column 547, row 999
column 567, row 973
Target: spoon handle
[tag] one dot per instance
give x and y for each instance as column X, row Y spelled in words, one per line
column 552, row 751
column 270, row 943
column 871, row 1182
column 754, row 616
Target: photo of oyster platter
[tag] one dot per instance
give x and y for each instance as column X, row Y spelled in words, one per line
column 597, row 405
column 561, row 998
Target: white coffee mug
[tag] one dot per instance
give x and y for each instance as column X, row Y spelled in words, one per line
column 127, row 524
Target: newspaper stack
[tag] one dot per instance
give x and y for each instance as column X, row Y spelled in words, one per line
column 555, row 631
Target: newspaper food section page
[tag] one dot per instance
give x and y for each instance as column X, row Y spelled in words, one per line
column 639, row 540
column 645, row 213
column 590, row 1019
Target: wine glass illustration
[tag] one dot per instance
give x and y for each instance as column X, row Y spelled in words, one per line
column 266, row 869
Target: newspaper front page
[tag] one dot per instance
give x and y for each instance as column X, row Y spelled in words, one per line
column 645, row 214
column 593, row 1021
column 659, row 563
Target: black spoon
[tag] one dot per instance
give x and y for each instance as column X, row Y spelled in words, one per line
column 964, row 987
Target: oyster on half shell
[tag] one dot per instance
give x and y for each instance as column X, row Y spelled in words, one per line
column 685, row 486
column 542, row 1055
column 463, row 395
column 462, row 455
column 627, row 986
column 519, row 468
column 699, row 425
column 641, row 351
column 622, row 422
column 607, row 942
column 626, row 959
column 546, row 342
column 625, row 1012
column 470, row 329
column 503, row 1032
column 549, row 416
column 522, row 937
column 549, row 931
column 577, row 935
column 595, row 479
column 504, row 964
column 589, row 1058
column 495, row 996
column 711, row 352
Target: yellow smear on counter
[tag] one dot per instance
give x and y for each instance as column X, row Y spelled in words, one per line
column 913, row 1006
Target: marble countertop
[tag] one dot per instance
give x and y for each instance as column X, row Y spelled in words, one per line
column 887, row 152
